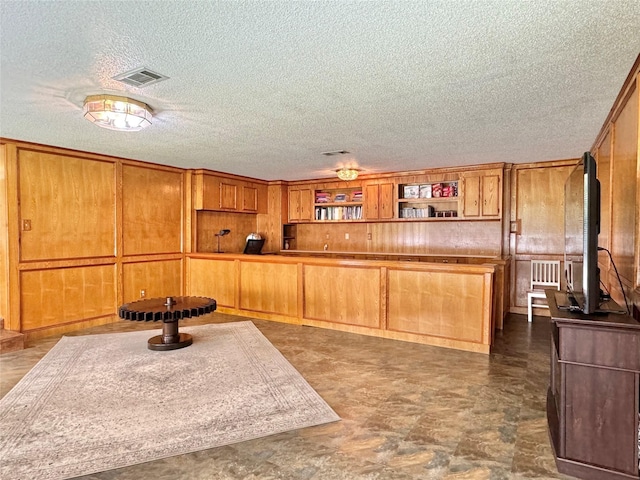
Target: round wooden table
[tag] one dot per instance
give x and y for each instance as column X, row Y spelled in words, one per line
column 170, row 310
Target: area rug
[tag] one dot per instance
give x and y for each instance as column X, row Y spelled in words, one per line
column 100, row 402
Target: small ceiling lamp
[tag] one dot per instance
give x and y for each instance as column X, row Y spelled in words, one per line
column 347, row 174
column 117, row 113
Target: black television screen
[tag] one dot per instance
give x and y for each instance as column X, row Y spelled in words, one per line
column 581, row 229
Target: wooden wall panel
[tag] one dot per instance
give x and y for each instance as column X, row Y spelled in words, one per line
column 70, row 203
column 461, row 238
column 4, row 238
column 157, row 278
column 152, row 202
column 437, row 303
column 66, row 295
column 210, row 223
column 269, row 225
column 624, row 212
column 214, row 279
column 269, row 288
column 540, row 209
column 342, row 295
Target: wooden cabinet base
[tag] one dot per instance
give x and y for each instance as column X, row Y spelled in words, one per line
column 445, row 305
column 594, row 394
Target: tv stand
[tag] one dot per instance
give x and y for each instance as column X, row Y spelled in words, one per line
column 594, row 394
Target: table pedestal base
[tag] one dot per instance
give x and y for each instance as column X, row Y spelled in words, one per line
column 158, row 343
column 170, row 339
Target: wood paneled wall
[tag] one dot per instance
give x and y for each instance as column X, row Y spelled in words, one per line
column 538, row 214
column 70, row 204
column 151, row 226
column 618, row 155
column 449, row 237
column 4, row 234
column 210, row 223
column 86, row 233
column 158, row 278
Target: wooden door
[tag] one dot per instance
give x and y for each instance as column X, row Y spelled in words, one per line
column 228, row 196
column 471, row 196
column 371, row 193
column 249, row 199
column 385, row 201
column 306, row 206
column 294, row 205
column 490, row 196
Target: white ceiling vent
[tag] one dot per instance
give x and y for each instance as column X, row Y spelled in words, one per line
column 140, row 77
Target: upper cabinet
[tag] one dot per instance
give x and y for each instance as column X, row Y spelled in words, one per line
column 378, row 201
column 429, row 195
column 300, row 203
column 228, row 194
column 338, row 204
column 482, row 194
column 428, row 199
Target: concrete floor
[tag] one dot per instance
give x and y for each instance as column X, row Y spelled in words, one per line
column 408, row 411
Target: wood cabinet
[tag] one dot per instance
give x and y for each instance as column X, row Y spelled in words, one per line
column 300, row 199
column 338, row 204
column 428, row 200
column 593, row 396
column 482, row 194
column 229, row 194
column 378, row 201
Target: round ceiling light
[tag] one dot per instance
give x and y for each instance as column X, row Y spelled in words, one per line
column 347, row 174
column 117, row 113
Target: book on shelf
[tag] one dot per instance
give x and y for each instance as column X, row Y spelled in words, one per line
column 353, row 212
column 323, row 197
column 411, row 191
column 341, row 197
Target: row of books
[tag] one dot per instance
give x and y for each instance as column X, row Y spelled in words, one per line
column 435, row 190
column 339, row 213
column 428, row 212
column 325, row 197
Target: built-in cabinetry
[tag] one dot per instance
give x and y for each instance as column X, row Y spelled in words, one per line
column 378, row 200
column 300, row 199
column 428, row 200
column 228, row 194
column 593, row 396
column 343, row 204
column 439, row 194
column 482, row 193
column 289, row 236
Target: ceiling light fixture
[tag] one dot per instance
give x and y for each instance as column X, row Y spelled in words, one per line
column 347, row 174
column 117, row 113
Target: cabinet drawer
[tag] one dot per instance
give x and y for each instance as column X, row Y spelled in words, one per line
column 615, row 348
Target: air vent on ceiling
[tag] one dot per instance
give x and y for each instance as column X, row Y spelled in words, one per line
column 140, row 77
column 336, row 152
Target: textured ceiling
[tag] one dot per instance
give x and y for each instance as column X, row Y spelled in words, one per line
column 262, row 88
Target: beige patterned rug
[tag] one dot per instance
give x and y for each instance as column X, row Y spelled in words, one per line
column 99, row 402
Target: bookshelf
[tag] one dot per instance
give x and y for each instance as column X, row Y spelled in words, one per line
column 344, row 204
column 429, row 200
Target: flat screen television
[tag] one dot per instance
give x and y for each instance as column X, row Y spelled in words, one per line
column 581, row 229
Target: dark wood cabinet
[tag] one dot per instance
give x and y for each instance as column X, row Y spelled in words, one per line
column 593, row 396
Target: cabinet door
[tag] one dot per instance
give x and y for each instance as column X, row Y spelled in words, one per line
column 228, row 196
column 378, row 201
column 306, row 206
column 249, row 199
column 471, row 197
column 371, row 202
column 294, row 205
column 385, row 201
column 600, row 417
column 490, row 196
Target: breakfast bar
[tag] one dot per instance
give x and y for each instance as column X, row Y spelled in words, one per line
column 442, row 304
